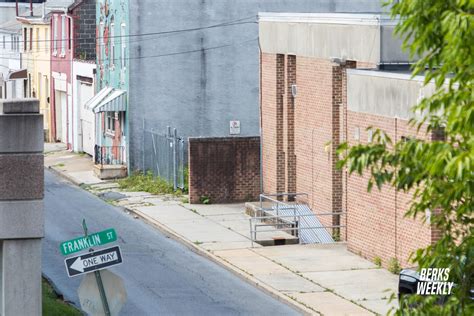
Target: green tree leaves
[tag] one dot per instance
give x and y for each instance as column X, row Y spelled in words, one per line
column 439, row 174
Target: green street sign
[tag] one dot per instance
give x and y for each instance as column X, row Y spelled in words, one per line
column 93, row 240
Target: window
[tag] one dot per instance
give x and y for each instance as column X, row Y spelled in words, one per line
column 63, row 36
column 25, row 39
column 37, row 39
column 31, row 39
column 12, row 42
column 46, row 88
column 101, row 36
column 55, row 39
column 112, row 45
column 124, row 51
column 46, row 40
column 4, row 42
column 110, row 122
column 69, row 29
column 39, row 80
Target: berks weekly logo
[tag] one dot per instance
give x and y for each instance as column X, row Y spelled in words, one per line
column 434, row 281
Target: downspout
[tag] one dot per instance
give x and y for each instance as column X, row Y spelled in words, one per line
column 261, row 117
column 71, row 79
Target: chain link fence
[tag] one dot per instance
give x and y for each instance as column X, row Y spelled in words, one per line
column 164, row 155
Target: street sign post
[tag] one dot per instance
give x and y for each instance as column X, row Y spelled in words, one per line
column 92, row 240
column 90, row 294
column 93, row 261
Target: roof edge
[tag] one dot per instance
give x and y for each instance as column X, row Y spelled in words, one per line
column 328, row 18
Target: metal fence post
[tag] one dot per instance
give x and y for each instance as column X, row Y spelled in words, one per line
column 175, row 173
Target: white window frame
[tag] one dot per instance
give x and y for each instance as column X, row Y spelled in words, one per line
column 112, row 46
column 55, row 36
column 110, row 123
column 46, row 40
column 37, row 31
column 63, row 36
column 123, row 53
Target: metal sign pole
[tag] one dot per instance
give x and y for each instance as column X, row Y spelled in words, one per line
column 98, row 278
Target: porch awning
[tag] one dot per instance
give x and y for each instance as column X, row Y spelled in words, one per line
column 18, row 74
column 108, row 100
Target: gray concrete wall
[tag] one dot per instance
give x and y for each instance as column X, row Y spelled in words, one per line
column 200, row 92
column 388, row 94
column 21, row 206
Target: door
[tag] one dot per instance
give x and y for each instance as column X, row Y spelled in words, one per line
column 61, row 118
column 86, row 92
column 58, row 115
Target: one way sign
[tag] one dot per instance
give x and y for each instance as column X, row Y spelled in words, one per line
column 93, row 261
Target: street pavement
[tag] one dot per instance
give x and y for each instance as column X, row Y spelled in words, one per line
column 162, row 277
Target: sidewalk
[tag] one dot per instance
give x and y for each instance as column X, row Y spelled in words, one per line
column 318, row 278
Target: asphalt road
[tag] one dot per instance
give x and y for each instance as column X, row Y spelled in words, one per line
column 162, row 277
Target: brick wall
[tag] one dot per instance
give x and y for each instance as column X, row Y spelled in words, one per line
column 85, row 30
column 376, row 223
column 225, row 169
column 376, row 226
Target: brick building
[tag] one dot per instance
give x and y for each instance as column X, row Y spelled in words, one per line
column 72, row 37
column 325, row 80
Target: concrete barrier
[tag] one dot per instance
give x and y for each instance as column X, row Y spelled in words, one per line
column 21, row 206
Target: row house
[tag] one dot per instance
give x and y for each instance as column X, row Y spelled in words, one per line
column 72, row 34
column 35, row 56
column 110, row 104
column 13, row 77
column 325, row 79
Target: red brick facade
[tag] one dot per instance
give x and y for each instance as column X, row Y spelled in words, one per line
column 299, row 140
column 224, row 169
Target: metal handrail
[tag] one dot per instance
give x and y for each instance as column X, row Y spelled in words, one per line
column 253, row 227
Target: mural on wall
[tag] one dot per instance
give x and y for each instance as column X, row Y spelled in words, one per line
column 112, row 28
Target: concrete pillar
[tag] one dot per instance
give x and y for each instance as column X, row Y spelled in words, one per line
column 21, row 206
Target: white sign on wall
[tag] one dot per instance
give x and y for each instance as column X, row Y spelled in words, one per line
column 234, row 127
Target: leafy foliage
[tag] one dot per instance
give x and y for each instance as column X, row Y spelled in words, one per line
column 439, row 173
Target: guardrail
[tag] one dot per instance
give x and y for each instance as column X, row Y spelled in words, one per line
column 285, row 216
column 295, row 224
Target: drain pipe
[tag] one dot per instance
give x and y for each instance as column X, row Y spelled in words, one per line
column 261, row 120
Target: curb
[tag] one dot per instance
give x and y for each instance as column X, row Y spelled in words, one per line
column 63, row 175
column 226, row 265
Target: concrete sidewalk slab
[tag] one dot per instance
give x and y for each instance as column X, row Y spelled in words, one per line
column 328, row 303
column 218, row 209
column 213, row 246
column 322, row 257
column 381, row 307
column 357, row 285
column 289, row 282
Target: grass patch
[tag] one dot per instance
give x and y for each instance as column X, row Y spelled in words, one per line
column 53, row 305
column 147, row 183
column 60, row 165
column 394, row 266
column 378, row 261
column 205, row 199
